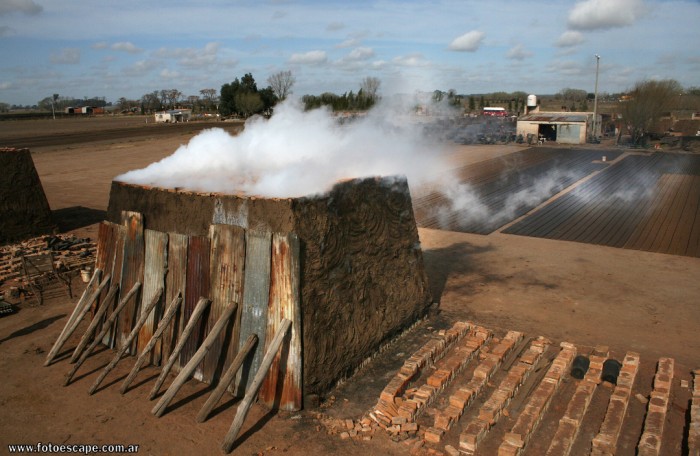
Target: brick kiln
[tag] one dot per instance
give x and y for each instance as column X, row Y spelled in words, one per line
column 361, row 274
column 24, row 210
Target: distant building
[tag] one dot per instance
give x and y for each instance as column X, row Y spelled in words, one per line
column 494, row 112
column 88, row 110
column 174, row 116
column 560, row 127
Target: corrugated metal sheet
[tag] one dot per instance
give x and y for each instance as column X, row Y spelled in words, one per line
column 197, row 285
column 174, row 282
column 156, row 263
column 227, row 268
column 256, row 296
column 107, row 237
column 132, row 270
column 283, row 385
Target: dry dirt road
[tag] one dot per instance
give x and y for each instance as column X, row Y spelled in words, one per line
column 584, row 294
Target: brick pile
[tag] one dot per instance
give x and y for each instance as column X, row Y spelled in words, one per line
column 569, row 424
column 70, row 253
column 490, row 362
column 394, row 410
column 694, row 426
column 650, row 442
column 528, row 420
column 606, row 441
column 491, row 410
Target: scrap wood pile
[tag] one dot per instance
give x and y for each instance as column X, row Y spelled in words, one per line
column 69, row 252
column 223, row 307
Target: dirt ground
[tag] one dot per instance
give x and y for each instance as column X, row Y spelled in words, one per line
column 584, row 294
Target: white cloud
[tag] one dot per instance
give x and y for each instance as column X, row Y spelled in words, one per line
column 518, row 52
column 469, row 42
column 142, row 67
column 358, row 54
column 5, row 85
column 28, row 7
column 350, row 42
column 191, row 57
column 411, row 60
column 566, row 68
column 309, row 58
column 605, row 14
column 169, row 74
column 126, row 46
column 66, row 56
column 100, row 45
column 569, row 38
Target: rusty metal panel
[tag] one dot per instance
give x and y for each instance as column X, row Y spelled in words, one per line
column 116, row 269
column 227, row 261
column 196, row 286
column 106, row 242
column 155, row 267
column 174, row 283
column 132, row 271
column 282, row 387
column 256, row 295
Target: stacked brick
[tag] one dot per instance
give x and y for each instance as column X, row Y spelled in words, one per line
column 606, row 441
column 694, row 426
column 491, row 411
column 391, row 404
column 570, row 423
column 650, row 442
column 69, row 253
column 528, row 420
column 444, row 419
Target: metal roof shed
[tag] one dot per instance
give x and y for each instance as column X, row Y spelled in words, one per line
column 561, row 127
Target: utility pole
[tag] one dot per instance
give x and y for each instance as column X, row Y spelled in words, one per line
column 595, row 97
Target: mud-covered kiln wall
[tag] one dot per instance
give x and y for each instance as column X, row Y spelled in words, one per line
column 363, row 276
column 24, row 210
column 191, row 213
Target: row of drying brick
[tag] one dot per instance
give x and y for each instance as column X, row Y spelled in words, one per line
column 494, row 406
column 650, row 441
column 538, row 403
column 694, row 427
column 491, row 360
column 605, row 442
column 570, row 423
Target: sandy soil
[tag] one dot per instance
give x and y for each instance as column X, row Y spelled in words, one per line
column 584, row 294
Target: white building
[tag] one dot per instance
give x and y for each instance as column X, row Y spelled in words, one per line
column 174, row 116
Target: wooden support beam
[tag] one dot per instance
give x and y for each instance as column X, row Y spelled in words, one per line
column 106, row 327
column 95, row 322
column 164, row 322
column 76, row 321
column 227, row 378
column 186, row 371
column 252, row 391
column 129, row 340
column 95, row 279
column 191, row 323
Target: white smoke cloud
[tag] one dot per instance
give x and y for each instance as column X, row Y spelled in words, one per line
column 296, row 153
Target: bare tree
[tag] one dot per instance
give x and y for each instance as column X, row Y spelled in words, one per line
column 209, row 98
column 648, row 101
column 370, row 87
column 282, row 83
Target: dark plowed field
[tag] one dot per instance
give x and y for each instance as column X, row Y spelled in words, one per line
column 508, row 187
column 644, row 202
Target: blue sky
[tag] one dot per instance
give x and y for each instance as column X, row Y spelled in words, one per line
column 113, row 49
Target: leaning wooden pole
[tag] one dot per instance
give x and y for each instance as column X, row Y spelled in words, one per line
column 247, row 401
column 94, row 323
column 227, row 378
column 197, row 358
column 106, row 327
column 95, row 279
column 164, row 322
column 127, row 343
column 76, row 321
column 199, row 309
